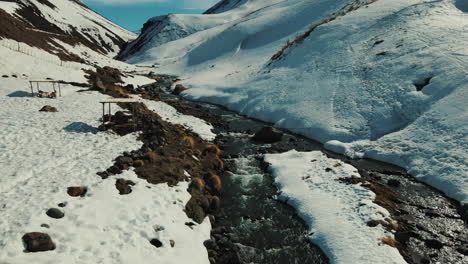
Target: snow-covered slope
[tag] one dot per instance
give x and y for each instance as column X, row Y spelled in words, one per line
column 385, row 79
column 224, row 5
column 41, row 23
column 166, row 28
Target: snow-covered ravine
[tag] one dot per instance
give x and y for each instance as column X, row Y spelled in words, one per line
column 386, row 80
column 43, row 153
column 332, row 194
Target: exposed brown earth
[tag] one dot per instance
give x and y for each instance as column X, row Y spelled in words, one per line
column 30, row 27
column 169, row 151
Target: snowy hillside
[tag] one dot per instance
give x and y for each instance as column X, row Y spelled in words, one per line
column 166, row 28
column 43, row 23
column 384, row 79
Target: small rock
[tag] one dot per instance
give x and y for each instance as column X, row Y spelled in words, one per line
column 432, row 243
column 172, row 242
column 373, row 223
column 114, row 170
column 268, row 135
column 5, row 76
column 138, row 163
column 179, row 88
column 210, row 244
column 463, row 250
column 76, row 191
column 36, row 242
column 45, row 225
column 103, row 174
column 190, row 224
column 48, row 108
column 155, row 242
column 55, row 213
column 125, row 159
column 124, row 186
column 393, row 183
column 62, row 204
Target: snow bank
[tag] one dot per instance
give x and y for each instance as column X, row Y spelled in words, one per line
column 336, row 213
column 354, row 79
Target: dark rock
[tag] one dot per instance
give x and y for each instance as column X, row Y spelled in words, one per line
column 432, row 243
column 179, row 88
column 138, row 163
column 5, row 76
column 463, row 250
column 114, row 170
column 393, row 183
column 172, row 242
column 215, row 204
column 125, row 160
column 381, row 53
column 36, row 242
column 124, row 186
column 48, row 108
column 120, row 117
column 404, row 237
column 268, row 135
column 45, row 226
column 155, row 242
column 62, row 204
column 190, row 224
column 378, row 42
column 210, row 244
column 76, row 191
column 103, row 174
column 373, row 223
column 55, row 213
column 14, row 76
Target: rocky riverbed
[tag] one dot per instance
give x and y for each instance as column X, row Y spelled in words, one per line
column 431, row 228
column 254, row 227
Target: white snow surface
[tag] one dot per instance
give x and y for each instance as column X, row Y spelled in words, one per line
column 336, row 212
column 44, row 153
column 342, row 83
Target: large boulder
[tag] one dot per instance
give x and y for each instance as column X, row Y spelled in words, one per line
column 36, row 242
column 268, row 134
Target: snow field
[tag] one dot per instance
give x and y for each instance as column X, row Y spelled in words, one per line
column 44, row 153
column 336, row 213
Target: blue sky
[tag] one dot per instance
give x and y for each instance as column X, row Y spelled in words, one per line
column 132, row 14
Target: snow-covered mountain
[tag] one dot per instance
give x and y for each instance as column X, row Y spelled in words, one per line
column 384, row 79
column 47, row 24
column 166, row 28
